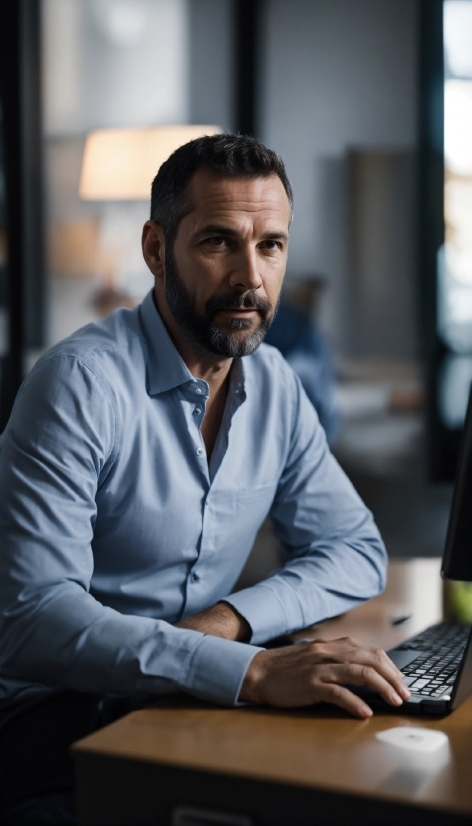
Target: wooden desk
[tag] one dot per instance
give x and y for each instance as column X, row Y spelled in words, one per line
column 312, row 766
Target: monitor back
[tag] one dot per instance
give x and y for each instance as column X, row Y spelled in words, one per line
column 457, row 557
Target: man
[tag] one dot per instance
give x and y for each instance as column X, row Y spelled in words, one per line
column 141, row 457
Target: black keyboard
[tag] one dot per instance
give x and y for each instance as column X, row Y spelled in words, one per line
column 433, row 672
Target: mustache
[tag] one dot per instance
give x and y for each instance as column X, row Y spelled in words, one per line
column 238, row 301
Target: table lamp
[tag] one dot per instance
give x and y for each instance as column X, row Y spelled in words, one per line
column 120, row 165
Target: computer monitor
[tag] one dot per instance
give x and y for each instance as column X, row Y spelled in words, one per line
column 457, row 556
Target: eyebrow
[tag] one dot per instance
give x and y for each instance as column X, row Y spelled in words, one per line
column 219, row 229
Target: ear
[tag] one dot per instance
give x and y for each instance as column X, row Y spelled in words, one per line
column 154, row 248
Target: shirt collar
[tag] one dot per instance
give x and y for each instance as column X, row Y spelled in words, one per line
column 165, row 367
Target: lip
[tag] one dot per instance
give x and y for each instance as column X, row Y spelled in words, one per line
column 240, row 311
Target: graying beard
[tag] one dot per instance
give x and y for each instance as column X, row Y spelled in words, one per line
column 226, row 344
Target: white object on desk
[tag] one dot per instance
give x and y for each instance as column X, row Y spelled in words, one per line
column 413, row 738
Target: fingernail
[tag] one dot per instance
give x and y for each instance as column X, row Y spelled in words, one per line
column 396, row 698
column 367, row 712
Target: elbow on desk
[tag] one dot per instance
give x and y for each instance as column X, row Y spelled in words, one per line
column 381, row 565
column 375, row 559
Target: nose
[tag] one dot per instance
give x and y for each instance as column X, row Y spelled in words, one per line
column 245, row 275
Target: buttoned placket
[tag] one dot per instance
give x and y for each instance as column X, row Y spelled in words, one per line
column 200, row 391
column 196, row 394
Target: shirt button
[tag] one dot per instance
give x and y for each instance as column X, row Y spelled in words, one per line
column 199, row 451
column 199, row 391
column 208, row 500
column 197, row 411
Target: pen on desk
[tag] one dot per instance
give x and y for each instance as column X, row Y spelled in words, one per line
column 402, row 619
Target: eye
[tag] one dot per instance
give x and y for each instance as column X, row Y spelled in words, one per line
column 271, row 245
column 216, row 241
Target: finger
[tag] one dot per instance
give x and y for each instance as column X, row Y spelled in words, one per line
column 377, row 653
column 386, row 659
column 384, row 665
column 341, row 644
column 349, row 650
column 342, row 697
column 352, row 643
column 381, row 662
column 347, row 645
column 334, row 650
column 357, row 674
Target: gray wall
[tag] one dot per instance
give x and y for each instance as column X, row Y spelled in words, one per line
column 108, row 63
column 211, row 76
column 337, row 74
column 382, row 261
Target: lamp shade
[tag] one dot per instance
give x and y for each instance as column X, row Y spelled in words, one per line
column 120, row 164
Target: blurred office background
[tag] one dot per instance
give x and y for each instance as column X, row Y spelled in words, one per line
column 369, row 102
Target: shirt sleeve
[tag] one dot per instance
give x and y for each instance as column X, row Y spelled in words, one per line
column 57, row 450
column 335, row 556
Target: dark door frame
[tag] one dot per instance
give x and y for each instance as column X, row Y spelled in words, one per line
column 247, row 19
column 20, row 100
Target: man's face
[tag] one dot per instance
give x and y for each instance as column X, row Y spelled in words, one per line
column 224, row 273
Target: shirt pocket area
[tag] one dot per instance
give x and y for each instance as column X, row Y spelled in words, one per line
column 253, row 505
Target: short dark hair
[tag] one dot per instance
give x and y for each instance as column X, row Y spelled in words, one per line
column 238, row 156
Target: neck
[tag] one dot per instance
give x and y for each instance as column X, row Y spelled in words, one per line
column 202, row 364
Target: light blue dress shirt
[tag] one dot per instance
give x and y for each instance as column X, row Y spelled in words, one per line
column 114, row 525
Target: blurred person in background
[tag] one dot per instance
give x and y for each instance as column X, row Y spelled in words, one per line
column 301, row 342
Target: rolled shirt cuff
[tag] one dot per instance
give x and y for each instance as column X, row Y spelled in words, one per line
column 266, row 615
column 217, row 669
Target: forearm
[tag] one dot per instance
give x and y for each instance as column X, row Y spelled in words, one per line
column 310, row 589
column 72, row 641
column 220, row 620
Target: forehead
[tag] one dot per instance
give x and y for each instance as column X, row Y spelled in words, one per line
column 215, row 196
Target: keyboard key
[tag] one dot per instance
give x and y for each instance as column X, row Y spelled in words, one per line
column 418, row 684
column 440, row 650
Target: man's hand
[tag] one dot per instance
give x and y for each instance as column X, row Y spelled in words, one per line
column 318, row 671
column 221, row 620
